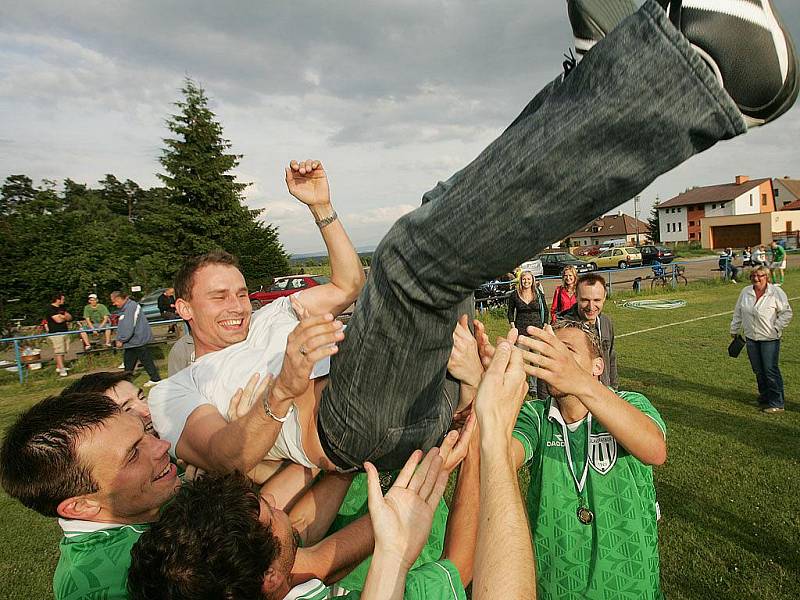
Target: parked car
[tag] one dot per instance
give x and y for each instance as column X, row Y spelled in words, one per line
column 652, row 253
column 149, row 304
column 586, row 251
column 553, row 263
column 617, row 258
column 285, row 286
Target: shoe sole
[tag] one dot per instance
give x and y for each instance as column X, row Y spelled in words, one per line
column 752, row 12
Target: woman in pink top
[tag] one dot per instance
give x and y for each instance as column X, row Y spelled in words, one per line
column 566, row 294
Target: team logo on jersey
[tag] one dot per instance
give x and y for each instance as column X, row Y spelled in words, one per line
column 558, row 443
column 602, row 452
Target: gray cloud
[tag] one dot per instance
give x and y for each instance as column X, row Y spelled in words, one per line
column 393, row 95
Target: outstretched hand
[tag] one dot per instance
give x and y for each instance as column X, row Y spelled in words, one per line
column 243, row 399
column 548, row 358
column 456, row 444
column 308, row 182
column 402, row 519
column 501, row 392
column 314, row 338
column 464, row 363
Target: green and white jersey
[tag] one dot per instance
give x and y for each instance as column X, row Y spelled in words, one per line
column 354, row 506
column 94, row 561
column 437, row 580
column 616, row 555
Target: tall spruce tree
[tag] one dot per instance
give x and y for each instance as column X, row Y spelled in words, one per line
column 653, row 223
column 203, row 200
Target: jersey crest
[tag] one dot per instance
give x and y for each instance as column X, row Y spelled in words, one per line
column 602, row 452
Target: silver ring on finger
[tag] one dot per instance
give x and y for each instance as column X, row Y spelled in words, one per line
column 303, row 349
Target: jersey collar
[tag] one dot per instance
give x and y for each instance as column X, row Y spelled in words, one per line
column 74, row 527
column 303, row 589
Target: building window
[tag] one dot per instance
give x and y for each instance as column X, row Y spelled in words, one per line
column 713, row 206
column 775, row 191
column 763, row 199
column 751, row 200
column 680, row 226
column 679, row 210
column 691, row 236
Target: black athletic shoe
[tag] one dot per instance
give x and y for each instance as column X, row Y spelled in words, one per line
column 748, row 48
column 591, row 20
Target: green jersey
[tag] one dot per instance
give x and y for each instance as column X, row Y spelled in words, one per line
column 94, row 561
column 355, row 505
column 95, row 314
column 778, row 254
column 438, row 580
column 616, row 555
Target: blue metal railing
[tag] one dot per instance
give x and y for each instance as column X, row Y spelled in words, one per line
column 16, row 340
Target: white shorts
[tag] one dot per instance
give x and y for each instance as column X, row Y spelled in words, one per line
column 780, row 265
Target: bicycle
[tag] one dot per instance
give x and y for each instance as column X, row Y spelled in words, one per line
column 662, row 278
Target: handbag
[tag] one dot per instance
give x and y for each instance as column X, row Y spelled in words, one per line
column 736, row 345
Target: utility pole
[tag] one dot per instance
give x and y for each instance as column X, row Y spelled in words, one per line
column 636, row 216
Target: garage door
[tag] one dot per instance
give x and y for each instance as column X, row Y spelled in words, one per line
column 736, row 236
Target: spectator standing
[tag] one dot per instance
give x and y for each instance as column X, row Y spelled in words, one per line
column 778, row 264
column 763, row 312
column 166, row 306
column 760, row 256
column 133, row 335
column 726, row 265
column 589, row 308
column 58, row 318
column 527, row 307
column 566, row 294
column 96, row 316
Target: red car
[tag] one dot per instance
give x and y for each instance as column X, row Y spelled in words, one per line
column 285, row 286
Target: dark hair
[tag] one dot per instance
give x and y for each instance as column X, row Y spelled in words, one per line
column 591, row 279
column 119, row 293
column 56, row 296
column 207, row 543
column 97, row 383
column 184, row 279
column 39, row 465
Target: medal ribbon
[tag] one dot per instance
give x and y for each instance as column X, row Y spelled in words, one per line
column 579, row 484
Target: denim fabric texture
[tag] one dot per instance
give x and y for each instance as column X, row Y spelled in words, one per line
column 764, row 358
column 639, row 104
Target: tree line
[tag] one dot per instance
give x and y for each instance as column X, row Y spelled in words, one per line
column 76, row 239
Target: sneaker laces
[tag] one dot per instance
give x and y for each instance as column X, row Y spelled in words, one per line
column 570, row 63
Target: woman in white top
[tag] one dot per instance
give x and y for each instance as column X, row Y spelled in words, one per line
column 763, row 312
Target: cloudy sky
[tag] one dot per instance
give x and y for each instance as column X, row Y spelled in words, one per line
column 393, row 96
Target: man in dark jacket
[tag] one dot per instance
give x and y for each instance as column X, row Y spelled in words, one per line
column 133, row 334
column 589, row 307
column 166, row 306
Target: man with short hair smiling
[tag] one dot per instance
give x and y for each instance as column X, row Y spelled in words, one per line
column 80, row 458
column 591, row 292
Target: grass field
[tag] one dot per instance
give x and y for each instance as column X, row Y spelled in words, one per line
column 728, row 492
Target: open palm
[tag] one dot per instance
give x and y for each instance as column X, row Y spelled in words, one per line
column 308, row 182
column 402, row 519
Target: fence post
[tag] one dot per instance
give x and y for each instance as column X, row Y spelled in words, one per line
column 610, row 276
column 18, row 357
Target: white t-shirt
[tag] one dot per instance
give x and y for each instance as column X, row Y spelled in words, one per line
column 215, row 377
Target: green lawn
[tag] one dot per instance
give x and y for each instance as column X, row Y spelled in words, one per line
column 728, row 493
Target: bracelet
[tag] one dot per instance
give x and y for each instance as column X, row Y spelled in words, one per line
column 322, row 223
column 272, row 415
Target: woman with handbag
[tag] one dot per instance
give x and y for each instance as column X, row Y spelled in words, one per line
column 763, row 312
column 565, row 296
